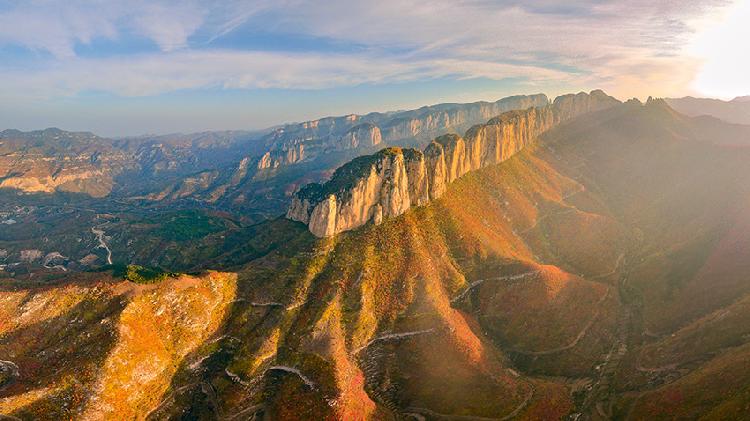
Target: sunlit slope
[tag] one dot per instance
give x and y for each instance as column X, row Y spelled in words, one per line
column 669, row 179
column 99, row 349
column 408, row 316
column 686, row 197
column 440, row 311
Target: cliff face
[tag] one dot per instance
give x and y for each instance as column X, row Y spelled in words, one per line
column 366, row 134
column 368, row 188
column 388, row 183
column 279, row 161
column 290, row 155
column 429, row 121
column 365, row 131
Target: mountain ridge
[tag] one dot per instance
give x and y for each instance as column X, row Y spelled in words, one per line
column 389, row 182
column 736, row 111
column 252, row 172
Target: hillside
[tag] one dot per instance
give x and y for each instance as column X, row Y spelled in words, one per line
column 293, row 155
column 56, row 161
column 735, row 111
column 571, row 278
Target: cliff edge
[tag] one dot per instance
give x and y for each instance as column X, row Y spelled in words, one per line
column 389, row 182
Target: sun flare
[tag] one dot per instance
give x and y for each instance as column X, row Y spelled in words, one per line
column 723, row 49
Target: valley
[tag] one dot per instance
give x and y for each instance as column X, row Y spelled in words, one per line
column 595, row 272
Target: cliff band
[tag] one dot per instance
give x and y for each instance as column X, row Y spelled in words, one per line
column 389, row 182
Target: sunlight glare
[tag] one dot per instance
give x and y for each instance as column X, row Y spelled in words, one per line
column 723, row 49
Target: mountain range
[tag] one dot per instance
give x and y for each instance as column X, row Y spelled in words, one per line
column 734, row 111
column 584, row 258
column 225, row 170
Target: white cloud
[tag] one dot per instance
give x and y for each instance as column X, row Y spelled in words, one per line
column 53, row 30
column 631, row 48
column 57, row 26
column 167, row 24
column 604, row 43
column 158, row 73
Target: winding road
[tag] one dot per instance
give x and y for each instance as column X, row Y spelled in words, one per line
column 416, row 412
column 99, row 233
column 478, row 282
column 578, row 337
column 393, row 337
column 293, row 370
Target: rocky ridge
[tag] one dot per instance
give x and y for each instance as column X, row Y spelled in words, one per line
column 292, row 155
column 389, row 182
column 294, row 143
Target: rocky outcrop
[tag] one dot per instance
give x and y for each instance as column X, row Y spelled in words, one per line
column 572, row 105
column 430, row 121
column 286, row 156
column 370, row 187
column 292, row 155
column 388, row 183
column 366, row 134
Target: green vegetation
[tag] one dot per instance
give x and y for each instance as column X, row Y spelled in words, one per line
column 138, row 274
column 186, row 225
column 446, row 140
column 146, row 275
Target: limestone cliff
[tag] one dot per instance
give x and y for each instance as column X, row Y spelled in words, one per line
column 366, row 134
column 294, row 143
column 370, row 187
column 288, row 155
column 430, row 121
column 388, row 183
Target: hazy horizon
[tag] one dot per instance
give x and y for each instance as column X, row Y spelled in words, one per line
column 314, row 117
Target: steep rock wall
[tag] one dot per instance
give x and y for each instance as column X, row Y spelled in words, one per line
column 388, row 183
column 366, row 134
column 364, row 131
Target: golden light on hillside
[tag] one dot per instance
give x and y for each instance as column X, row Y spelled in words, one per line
column 722, row 47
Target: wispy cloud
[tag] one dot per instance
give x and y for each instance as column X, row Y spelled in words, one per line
column 628, row 47
column 57, row 26
column 153, row 74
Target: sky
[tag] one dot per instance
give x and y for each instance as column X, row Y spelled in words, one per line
column 121, row 68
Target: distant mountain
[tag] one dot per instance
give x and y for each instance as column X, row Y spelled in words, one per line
column 300, row 153
column 54, row 160
column 252, row 172
column 294, row 143
column 734, row 111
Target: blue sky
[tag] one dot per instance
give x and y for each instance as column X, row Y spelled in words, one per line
column 133, row 67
